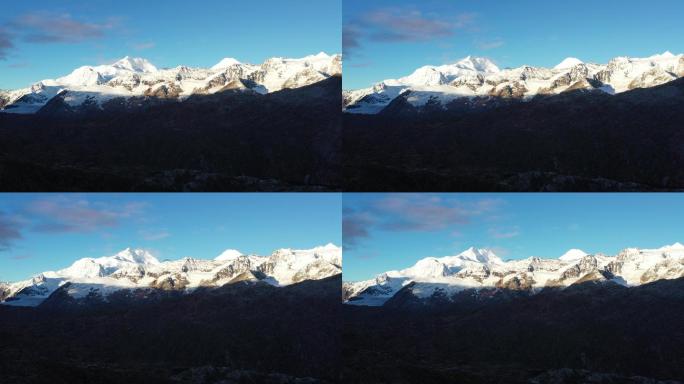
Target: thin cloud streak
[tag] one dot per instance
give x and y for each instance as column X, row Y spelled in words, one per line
column 144, row 46
column 153, row 235
column 504, row 234
column 487, row 45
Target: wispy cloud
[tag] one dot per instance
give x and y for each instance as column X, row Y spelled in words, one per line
column 65, row 215
column 393, row 25
column 144, row 46
column 23, row 256
column 492, row 44
column 411, row 213
column 9, row 231
column 153, row 235
column 21, row 64
column 508, row 233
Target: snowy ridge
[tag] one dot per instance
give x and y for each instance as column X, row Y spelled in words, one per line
column 137, row 77
column 482, row 269
column 139, row 269
column 480, row 78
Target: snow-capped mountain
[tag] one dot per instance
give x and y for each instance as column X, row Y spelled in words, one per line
column 138, row 269
column 481, row 269
column 480, row 79
column 137, row 77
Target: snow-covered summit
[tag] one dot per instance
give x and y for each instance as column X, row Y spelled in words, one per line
column 481, row 269
column 225, row 63
column 228, row 254
column 573, row 254
column 568, row 63
column 139, row 269
column 135, row 64
column 477, row 64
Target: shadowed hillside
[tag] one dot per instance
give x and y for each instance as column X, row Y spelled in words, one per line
column 589, row 333
column 240, row 333
column 231, row 141
column 575, row 141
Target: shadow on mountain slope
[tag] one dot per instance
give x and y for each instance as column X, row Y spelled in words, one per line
column 589, row 333
column 232, row 141
column 576, row 141
column 240, row 333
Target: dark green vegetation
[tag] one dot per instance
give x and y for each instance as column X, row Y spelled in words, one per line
column 577, row 141
column 240, row 333
column 233, row 141
column 590, row 333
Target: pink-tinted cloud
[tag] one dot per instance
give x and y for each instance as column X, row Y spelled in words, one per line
column 498, row 233
column 412, row 213
column 487, row 45
column 153, row 235
column 64, row 214
column 401, row 25
column 44, row 27
column 23, row 256
column 144, row 46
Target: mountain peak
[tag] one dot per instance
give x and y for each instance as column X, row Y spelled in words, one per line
column 664, row 55
column 568, row 63
column 573, row 254
column 478, row 64
column 135, row 64
column 480, row 255
column 319, row 55
column 228, row 254
column 674, row 247
column 226, row 62
column 135, row 255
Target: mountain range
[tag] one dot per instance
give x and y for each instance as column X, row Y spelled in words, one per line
column 478, row 82
column 138, row 271
column 98, row 86
column 481, row 273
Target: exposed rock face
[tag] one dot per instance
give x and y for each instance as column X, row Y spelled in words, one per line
column 164, row 91
column 4, row 291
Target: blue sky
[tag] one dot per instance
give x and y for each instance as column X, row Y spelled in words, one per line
column 40, row 232
column 49, row 38
column 383, row 232
column 390, row 38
